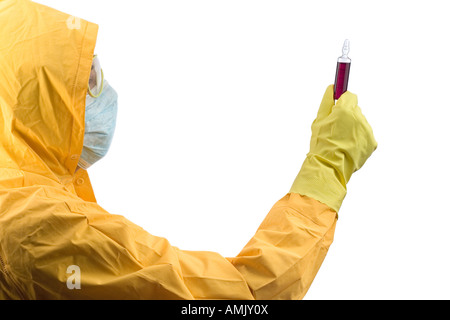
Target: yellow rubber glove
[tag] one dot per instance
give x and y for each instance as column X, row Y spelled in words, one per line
column 342, row 140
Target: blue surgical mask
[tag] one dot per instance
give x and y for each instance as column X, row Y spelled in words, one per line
column 100, row 124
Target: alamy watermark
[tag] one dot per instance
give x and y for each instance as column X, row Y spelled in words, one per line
column 74, row 280
column 73, row 23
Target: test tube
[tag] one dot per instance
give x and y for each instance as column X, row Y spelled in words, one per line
column 342, row 71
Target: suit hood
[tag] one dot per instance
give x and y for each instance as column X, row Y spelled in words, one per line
column 45, row 62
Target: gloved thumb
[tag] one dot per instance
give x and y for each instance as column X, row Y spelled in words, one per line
column 348, row 101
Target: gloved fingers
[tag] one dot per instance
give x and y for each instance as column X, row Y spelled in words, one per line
column 370, row 137
column 349, row 114
column 327, row 103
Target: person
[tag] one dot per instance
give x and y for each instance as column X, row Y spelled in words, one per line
column 57, row 242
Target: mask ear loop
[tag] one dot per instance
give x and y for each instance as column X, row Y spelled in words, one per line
column 101, row 88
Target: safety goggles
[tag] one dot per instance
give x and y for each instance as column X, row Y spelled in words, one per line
column 96, row 79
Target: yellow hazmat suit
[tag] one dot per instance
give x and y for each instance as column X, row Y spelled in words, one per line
column 56, row 242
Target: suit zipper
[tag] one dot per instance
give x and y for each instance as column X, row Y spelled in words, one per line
column 8, row 275
column 3, row 265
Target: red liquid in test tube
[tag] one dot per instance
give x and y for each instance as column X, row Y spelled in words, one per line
column 342, row 71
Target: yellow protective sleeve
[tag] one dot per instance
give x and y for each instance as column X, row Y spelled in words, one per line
column 47, row 230
column 56, row 242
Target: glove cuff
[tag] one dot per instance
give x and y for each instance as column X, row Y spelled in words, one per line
column 320, row 180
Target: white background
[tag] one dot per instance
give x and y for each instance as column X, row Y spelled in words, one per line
column 216, row 103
